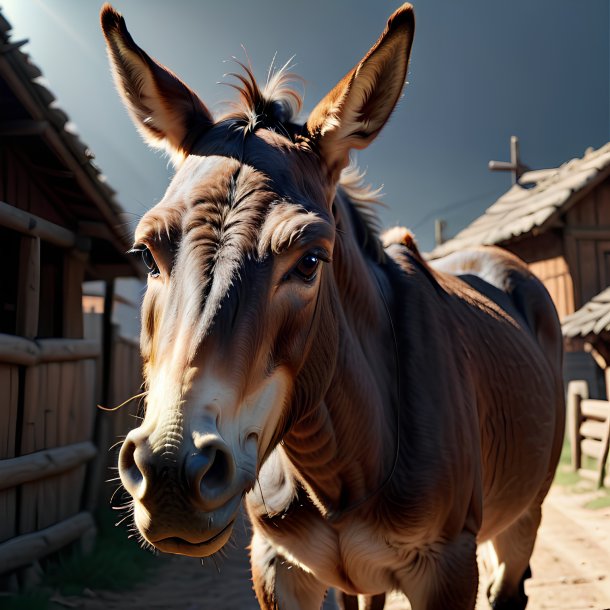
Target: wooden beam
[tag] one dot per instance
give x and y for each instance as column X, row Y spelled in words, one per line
column 34, row 226
column 72, row 311
column 597, row 233
column 28, row 297
column 62, row 350
column 17, row 350
column 45, row 463
column 24, row 550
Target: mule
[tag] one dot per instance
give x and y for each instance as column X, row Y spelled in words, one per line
column 379, row 416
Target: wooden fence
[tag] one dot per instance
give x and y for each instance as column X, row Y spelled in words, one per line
column 589, row 432
column 125, row 381
column 48, row 445
column 47, row 408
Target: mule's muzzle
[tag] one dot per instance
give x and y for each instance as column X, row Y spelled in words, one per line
column 205, row 475
column 185, row 500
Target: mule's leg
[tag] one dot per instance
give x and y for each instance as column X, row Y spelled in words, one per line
column 361, row 602
column 513, row 548
column 280, row 585
column 446, row 576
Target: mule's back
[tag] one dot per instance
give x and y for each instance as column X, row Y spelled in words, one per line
column 516, row 424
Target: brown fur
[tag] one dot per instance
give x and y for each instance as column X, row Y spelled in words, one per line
column 381, row 415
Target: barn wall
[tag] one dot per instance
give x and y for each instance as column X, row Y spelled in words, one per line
column 22, row 187
column 587, row 243
column 545, row 257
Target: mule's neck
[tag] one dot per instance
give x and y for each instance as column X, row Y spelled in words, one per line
column 344, row 448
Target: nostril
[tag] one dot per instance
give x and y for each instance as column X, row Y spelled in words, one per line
column 131, row 475
column 218, row 471
column 209, row 474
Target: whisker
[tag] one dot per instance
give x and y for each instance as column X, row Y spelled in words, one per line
column 119, row 442
column 263, row 497
column 215, row 562
column 114, row 493
column 123, row 403
column 127, row 516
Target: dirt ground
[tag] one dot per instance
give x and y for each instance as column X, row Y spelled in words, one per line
column 570, row 565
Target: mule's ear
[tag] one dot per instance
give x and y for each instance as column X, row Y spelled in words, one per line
column 166, row 112
column 353, row 113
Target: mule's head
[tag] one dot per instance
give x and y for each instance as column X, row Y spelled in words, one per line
column 239, row 318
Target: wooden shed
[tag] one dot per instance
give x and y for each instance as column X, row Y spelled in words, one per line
column 58, row 228
column 558, row 221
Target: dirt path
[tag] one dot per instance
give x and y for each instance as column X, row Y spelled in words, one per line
column 571, row 567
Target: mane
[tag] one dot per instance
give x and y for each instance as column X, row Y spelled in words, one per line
column 364, row 201
column 276, row 106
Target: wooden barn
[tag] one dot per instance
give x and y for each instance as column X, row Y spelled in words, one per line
column 58, row 228
column 558, row 221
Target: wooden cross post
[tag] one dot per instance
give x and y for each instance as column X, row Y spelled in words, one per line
column 514, row 165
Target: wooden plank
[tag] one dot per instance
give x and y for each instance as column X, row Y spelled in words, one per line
column 46, row 463
column 89, row 404
column 34, row 226
column 602, row 248
column 52, row 403
column 595, row 409
column 9, row 382
column 16, row 350
column 29, row 435
column 8, row 510
column 588, row 270
column 30, row 407
column 28, row 296
column 65, row 421
column 571, row 256
column 23, row 550
column 592, row 448
column 74, row 275
column 44, row 488
column 603, row 203
column 588, row 211
column 51, row 433
column 592, row 428
column 75, row 478
column 589, row 233
column 62, row 350
column 577, row 392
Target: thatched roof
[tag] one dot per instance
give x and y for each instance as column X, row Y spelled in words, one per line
column 534, row 204
column 593, row 318
column 32, row 124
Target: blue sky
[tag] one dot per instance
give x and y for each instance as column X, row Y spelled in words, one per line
column 481, row 71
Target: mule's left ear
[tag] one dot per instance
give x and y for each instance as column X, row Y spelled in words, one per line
column 165, row 111
column 353, row 113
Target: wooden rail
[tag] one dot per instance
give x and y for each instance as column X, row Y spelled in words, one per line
column 45, row 463
column 17, row 350
column 24, row 222
column 23, row 550
column 589, row 428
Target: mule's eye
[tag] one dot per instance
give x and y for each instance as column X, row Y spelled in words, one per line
column 148, row 259
column 308, row 266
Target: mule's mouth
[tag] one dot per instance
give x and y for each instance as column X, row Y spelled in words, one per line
column 204, row 548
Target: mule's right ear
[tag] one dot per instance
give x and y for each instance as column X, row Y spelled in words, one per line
column 165, row 111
